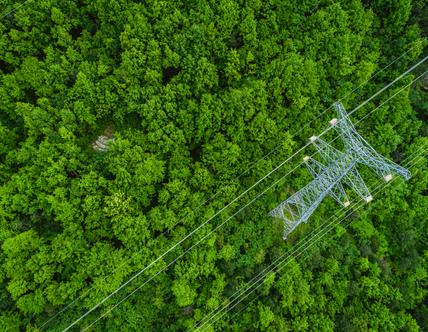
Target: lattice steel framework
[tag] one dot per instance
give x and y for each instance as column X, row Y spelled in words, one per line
column 339, row 170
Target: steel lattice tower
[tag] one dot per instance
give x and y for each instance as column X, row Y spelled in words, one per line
column 339, row 170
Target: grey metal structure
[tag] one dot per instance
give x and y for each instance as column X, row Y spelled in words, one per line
column 339, row 170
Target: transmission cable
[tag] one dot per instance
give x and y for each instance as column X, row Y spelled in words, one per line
column 13, row 9
column 259, row 195
column 246, row 171
column 221, row 190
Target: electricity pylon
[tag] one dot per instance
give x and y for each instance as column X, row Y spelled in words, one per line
column 339, row 170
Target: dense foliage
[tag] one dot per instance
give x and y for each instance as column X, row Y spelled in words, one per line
column 195, row 93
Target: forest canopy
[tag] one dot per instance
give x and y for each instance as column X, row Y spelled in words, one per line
column 126, row 125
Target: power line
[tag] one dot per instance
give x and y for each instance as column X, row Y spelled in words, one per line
column 164, row 268
column 23, row 3
column 222, row 189
column 234, row 200
column 14, row 9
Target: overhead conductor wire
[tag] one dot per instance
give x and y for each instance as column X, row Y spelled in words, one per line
column 13, row 9
column 23, row 3
column 276, row 168
column 235, row 179
column 239, row 176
